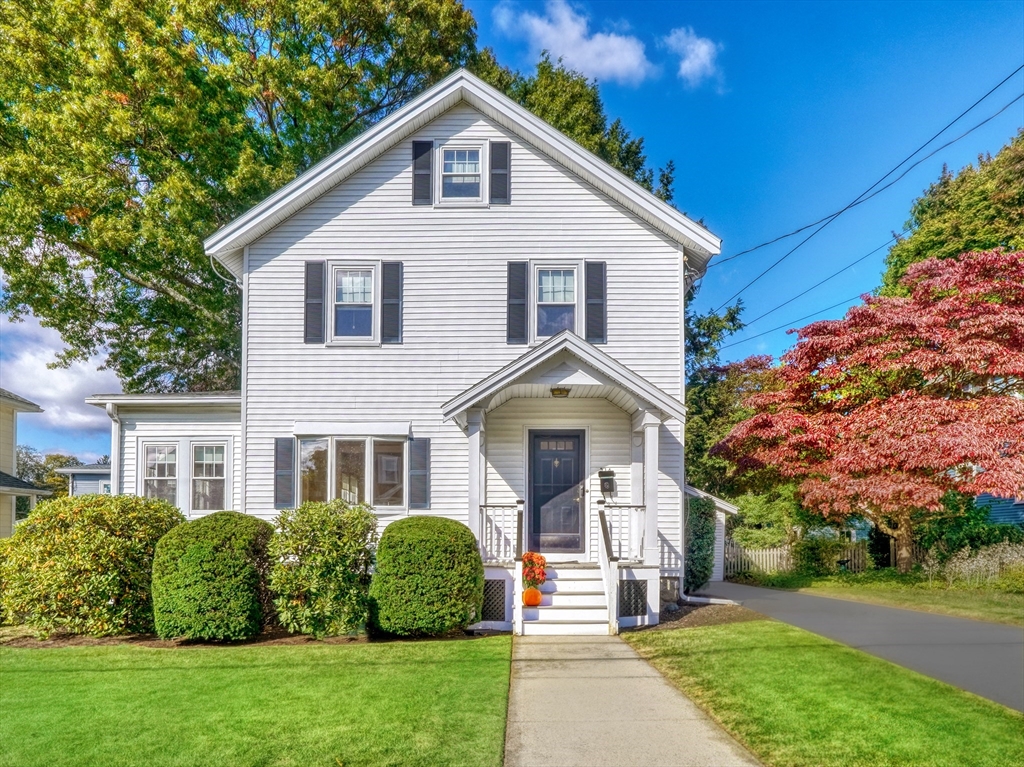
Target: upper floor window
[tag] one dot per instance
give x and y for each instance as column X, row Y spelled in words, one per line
column 556, row 301
column 353, row 303
column 460, row 174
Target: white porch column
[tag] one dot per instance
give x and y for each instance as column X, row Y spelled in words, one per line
column 475, row 432
column 650, row 425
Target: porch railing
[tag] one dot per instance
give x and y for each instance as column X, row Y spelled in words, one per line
column 609, row 570
column 626, row 526
column 499, row 536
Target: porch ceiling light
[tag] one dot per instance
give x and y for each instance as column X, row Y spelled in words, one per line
column 559, row 391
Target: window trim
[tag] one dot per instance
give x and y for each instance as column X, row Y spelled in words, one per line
column 193, row 444
column 368, row 467
column 533, row 293
column 483, row 201
column 333, row 267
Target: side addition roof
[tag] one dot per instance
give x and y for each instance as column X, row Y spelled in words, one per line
column 226, row 245
column 720, row 504
column 89, row 468
column 16, row 486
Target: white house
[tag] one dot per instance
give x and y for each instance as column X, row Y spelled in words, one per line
column 88, row 479
column 463, row 313
column 11, row 486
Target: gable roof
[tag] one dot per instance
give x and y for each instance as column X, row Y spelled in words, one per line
column 19, row 403
column 720, row 505
column 87, row 468
column 535, row 360
column 226, row 244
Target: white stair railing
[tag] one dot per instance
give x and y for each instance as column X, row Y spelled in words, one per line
column 609, row 570
column 626, row 524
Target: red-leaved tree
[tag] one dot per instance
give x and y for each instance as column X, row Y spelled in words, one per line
column 884, row 412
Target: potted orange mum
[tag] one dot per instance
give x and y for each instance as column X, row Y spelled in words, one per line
column 533, row 577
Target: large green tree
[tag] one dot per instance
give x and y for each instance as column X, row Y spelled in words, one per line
column 131, row 131
column 979, row 208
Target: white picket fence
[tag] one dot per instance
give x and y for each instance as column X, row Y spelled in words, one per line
column 779, row 559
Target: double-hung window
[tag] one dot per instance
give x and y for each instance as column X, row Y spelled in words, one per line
column 556, row 301
column 353, row 302
column 208, row 478
column 160, row 479
column 461, row 175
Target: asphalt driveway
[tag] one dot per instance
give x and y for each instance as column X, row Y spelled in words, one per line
column 984, row 658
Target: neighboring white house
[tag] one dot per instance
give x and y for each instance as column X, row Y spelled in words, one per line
column 11, row 487
column 463, row 313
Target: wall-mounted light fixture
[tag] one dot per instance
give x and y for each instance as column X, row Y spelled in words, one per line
column 559, row 391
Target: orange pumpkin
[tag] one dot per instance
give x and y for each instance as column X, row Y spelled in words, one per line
column 531, row 597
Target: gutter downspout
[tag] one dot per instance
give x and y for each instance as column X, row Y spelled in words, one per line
column 115, row 449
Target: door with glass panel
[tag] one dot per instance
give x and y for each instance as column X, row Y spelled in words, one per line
column 556, row 479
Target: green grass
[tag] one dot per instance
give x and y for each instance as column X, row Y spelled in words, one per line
column 887, row 587
column 414, row 703
column 796, row 699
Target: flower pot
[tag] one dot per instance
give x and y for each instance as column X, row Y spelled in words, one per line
column 531, row 597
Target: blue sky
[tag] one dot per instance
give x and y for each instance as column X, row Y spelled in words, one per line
column 776, row 115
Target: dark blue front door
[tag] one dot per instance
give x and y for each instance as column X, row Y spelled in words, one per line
column 556, row 491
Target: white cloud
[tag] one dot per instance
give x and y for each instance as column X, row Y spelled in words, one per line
column 565, row 34
column 697, row 56
column 26, row 348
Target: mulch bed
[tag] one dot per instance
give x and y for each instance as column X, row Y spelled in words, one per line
column 693, row 616
column 22, row 637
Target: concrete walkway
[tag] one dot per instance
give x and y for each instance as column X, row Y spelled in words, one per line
column 984, row 658
column 592, row 701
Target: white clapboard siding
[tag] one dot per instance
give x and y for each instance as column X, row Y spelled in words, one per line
column 8, row 439
column 454, row 316
column 197, row 426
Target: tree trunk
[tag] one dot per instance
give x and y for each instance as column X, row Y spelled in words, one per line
column 904, row 546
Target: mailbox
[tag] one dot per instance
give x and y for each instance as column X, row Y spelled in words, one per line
column 607, row 477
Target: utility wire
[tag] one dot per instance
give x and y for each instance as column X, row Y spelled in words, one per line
column 864, row 196
column 860, row 201
column 822, row 282
column 791, row 323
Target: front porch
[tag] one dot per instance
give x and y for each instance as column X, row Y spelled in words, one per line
column 565, row 459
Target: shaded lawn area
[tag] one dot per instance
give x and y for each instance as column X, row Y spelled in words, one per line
column 412, row 703
column 796, row 699
column 913, row 592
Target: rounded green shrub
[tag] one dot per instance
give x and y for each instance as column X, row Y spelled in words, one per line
column 210, row 578
column 429, row 578
column 323, row 555
column 84, row 565
column 700, row 543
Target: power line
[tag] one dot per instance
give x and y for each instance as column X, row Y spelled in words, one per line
column 791, row 323
column 877, row 191
column 864, row 195
column 822, row 282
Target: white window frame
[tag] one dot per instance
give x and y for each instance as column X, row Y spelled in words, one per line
column 332, row 273
column 192, row 478
column 368, row 468
column 141, row 462
column 534, row 294
column 483, row 200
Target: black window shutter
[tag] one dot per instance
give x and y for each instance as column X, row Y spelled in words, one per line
column 419, row 473
column 501, row 173
column 597, row 302
column 391, row 299
column 518, row 292
column 316, row 282
column 284, row 473
column 422, row 160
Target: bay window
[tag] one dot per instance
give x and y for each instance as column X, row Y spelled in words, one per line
column 356, row 470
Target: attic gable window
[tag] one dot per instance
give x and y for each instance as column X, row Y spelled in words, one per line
column 354, row 303
column 460, row 174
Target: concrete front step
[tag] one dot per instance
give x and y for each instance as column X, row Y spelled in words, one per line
column 577, row 573
column 544, row 614
column 566, row 585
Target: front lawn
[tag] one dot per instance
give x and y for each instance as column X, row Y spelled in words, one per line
column 797, row 699
column 912, row 591
column 409, row 703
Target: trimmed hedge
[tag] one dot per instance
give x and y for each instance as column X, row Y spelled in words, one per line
column 818, row 555
column 429, row 578
column 323, row 555
column 700, row 543
column 84, row 565
column 209, row 578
